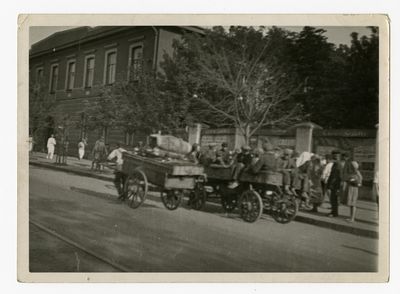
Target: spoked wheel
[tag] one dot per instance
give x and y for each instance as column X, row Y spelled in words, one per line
column 228, row 198
column 285, row 209
column 136, row 188
column 250, row 206
column 198, row 197
column 171, row 199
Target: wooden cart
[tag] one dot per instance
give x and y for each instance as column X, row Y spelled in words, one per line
column 255, row 194
column 174, row 177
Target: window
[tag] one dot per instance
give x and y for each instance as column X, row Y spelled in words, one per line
column 89, row 72
column 135, row 61
column 111, row 64
column 39, row 75
column 70, row 75
column 53, row 78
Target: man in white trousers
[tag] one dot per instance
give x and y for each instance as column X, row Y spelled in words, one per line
column 81, row 148
column 51, row 143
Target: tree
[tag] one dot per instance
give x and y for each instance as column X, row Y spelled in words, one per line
column 41, row 108
column 146, row 104
column 235, row 78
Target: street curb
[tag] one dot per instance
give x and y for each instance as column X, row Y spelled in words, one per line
column 337, row 227
column 301, row 217
column 72, row 171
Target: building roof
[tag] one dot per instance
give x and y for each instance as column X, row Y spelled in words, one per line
column 70, row 37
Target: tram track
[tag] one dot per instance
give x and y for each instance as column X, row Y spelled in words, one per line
column 74, row 244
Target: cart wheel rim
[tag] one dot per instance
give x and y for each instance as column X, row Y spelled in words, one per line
column 136, row 188
column 286, row 211
column 250, row 205
column 171, row 199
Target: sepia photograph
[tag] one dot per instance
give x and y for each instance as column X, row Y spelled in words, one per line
column 243, row 148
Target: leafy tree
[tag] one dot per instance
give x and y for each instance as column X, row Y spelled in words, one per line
column 41, row 107
column 235, row 78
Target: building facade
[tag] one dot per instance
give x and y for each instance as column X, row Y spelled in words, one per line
column 74, row 65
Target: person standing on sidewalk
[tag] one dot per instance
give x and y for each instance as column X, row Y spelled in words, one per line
column 81, row 148
column 334, row 184
column 353, row 182
column 51, row 143
column 99, row 153
column 120, row 177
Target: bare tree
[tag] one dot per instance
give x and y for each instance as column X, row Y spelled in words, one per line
column 253, row 89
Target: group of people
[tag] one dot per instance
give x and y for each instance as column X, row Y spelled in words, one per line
column 308, row 176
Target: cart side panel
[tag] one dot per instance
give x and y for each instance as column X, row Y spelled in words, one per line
column 263, row 177
column 180, row 183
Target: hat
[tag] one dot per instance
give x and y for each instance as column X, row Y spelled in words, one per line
column 335, row 152
column 246, row 147
column 224, row 145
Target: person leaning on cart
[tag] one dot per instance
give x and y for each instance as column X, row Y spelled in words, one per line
column 120, row 177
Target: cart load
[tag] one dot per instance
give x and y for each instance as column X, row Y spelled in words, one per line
column 170, row 144
column 256, row 193
column 174, row 177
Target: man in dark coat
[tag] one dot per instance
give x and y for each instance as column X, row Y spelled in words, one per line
column 333, row 184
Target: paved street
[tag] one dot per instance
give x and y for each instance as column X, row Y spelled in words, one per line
column 105, row 232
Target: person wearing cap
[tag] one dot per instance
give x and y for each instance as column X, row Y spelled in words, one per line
column 222, row 155
column 242, row 161
column 353, row 182
column 119, row 176
column 334, row 183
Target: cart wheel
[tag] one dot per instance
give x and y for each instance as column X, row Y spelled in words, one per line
column 136, row 188
column 198, row 197
column 285, row 209
column 250, row 206
column 228, row 198
column 171, row 199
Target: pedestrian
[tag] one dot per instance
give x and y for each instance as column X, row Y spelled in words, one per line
column 99, row 152
column 314, row 173
column 51, row 143
column 31, row 143
column 81, row 148
column 119, row 176
column 325, row 174
column 334, row 183
column 375, row 188
column 354, row 181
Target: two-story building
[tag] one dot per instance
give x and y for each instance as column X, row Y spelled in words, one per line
column 74, row 65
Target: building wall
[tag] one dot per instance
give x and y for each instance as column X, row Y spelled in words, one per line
column 72, row 102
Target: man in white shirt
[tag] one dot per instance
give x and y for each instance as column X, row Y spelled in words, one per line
column 51, row 143
column 120, row 177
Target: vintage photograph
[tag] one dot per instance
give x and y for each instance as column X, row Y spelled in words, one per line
column 204, row 149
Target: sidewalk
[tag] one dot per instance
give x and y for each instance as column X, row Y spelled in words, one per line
column 366, row 223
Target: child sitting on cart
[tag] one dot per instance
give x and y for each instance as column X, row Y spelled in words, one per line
column 242, row 161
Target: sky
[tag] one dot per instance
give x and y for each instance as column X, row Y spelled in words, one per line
column 336, row 35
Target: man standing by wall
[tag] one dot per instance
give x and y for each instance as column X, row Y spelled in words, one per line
column 51, row 143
